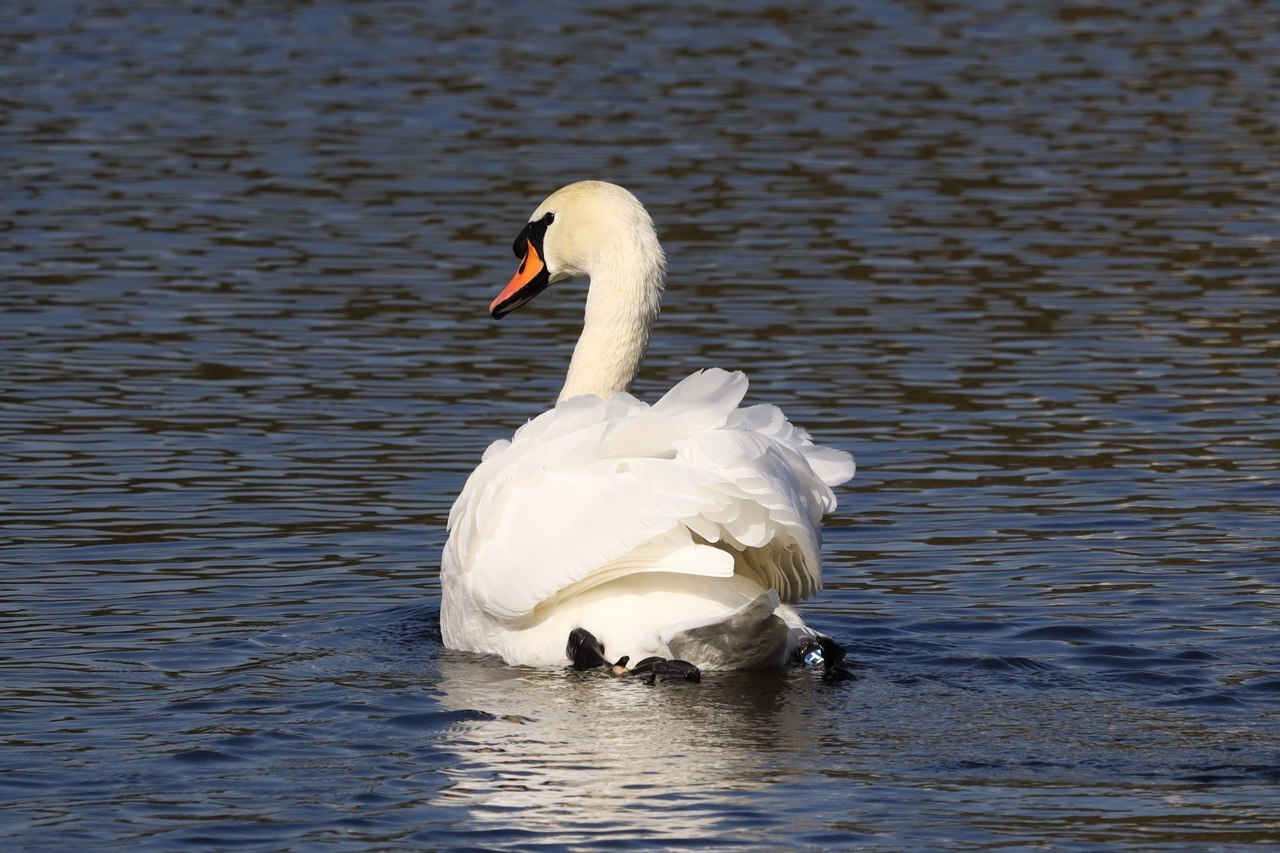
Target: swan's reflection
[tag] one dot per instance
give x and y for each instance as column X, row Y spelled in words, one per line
column 572, row 751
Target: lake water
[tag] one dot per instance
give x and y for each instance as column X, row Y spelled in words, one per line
column 1021, row 259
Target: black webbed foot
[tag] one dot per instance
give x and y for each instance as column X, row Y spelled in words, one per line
column 826, row 655
column 585, row 650
column 651, row 669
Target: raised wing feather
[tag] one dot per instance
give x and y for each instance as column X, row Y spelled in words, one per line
column 702, row 401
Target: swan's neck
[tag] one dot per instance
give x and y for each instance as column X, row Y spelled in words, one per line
column 622, row 303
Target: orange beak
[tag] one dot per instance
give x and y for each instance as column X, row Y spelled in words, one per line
column 530, row 279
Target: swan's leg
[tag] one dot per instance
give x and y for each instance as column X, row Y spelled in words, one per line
column 651, row 669
column 585, row 650
column 819, row 652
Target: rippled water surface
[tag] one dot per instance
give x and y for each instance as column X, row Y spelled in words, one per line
column 1021, row 259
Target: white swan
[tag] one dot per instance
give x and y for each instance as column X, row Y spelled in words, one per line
column 683, row 529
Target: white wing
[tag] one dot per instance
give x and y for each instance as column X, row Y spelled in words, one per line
column 594, row 490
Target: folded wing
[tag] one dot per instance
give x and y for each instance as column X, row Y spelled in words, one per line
column 595, row 490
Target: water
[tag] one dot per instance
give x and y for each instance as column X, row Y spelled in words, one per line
column 1021, row 259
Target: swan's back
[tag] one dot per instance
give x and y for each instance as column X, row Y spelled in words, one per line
column 601, row 495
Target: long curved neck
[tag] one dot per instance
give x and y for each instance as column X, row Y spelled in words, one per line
column 622, row 303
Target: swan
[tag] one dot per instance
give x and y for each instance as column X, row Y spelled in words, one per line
column 683, row 530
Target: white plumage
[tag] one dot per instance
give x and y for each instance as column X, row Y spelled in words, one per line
column 682, row 529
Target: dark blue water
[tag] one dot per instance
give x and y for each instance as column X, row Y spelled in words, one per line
column 1020, row 259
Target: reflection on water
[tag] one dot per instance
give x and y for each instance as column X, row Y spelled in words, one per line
column 582, row 757
column 1019, row 258
column 575, row 755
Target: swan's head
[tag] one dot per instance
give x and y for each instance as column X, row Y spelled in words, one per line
column 582, row 229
